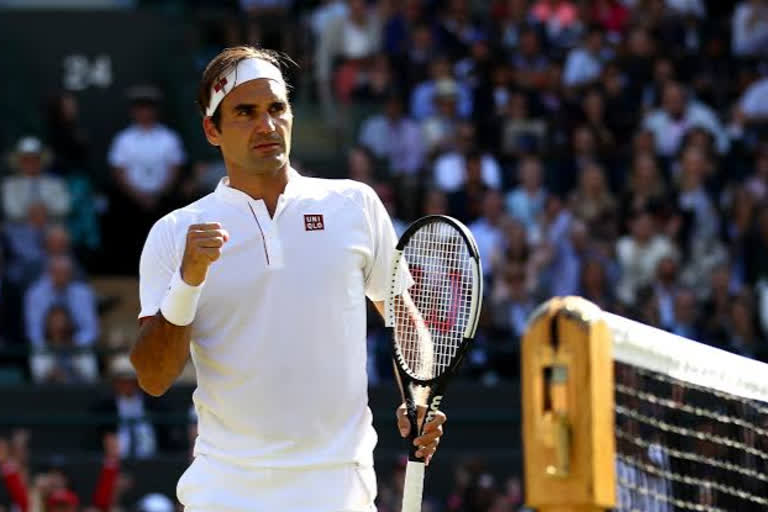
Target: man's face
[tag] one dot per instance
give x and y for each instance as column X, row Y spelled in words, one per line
column 144, row 113
column 30, row 164
column 674, row 100
column 61, row 272
column 256, row 124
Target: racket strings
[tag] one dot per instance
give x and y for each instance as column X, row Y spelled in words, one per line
column 430, row 334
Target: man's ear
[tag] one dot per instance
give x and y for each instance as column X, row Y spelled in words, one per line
column 211, row 132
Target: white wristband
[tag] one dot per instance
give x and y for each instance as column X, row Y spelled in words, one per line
column 180, row 302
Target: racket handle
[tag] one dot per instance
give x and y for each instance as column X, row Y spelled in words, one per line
column 414, row 486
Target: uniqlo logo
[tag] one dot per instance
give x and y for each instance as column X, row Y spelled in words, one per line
column 313, row 222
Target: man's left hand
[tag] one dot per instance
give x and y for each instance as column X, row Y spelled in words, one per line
column 431, row 435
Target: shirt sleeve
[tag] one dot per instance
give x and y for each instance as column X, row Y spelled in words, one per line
column 176, row 154
column 118, row 154
column 384, row 241
column 157, row 265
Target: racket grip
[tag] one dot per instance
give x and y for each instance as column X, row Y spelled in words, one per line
column 414, row 486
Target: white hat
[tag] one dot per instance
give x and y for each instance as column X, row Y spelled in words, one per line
column 155, row 502
column 29, row 145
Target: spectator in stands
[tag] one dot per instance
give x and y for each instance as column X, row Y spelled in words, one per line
column 360, row 165
column 450, row 168
column 750, row 29
column 32, row 244
column 645, row 187
column 24, row 246
column 466, row 203
column 666, row 287
column 379, row 83
column 439, row 129
column 59, row 360
column 752, row 108
column 594, row 284
column 456, row 30
column 521, row 132
column 593, row 202
column 137, row 435
column 584, row 151
column 639, row 254
column 416, row 64
column 530, row 64
column 716, row 308
column 487, row 229
column 677, row 116
column 401, row 26
column 511, row 301
column 584, row 64
column 67, row 136
column 394, row 138
column 596, row 118
column 58, row 287
column 511, row 17
column 694, row 201
column 560, row 19
column 744, row 333
column 526, row 201
column 145, row 158
column 32, row 184
column 435, row 203
column 350, row 40
column 423, row 102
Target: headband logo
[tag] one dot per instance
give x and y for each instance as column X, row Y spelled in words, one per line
column 220, row 84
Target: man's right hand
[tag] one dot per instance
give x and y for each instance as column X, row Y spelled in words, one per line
column 203, row 247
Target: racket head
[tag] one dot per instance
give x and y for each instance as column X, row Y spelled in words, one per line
column 437, row 261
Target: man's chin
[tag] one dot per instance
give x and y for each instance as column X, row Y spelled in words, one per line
column 269, row 165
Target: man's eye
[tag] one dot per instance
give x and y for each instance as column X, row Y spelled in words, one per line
column 278, row 107
column 242, row 113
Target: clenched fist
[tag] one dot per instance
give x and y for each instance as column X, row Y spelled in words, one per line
column 203, row 247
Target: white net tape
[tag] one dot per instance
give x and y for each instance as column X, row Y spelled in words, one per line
column 691, row 424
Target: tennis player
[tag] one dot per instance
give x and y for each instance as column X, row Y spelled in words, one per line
column 264, row 282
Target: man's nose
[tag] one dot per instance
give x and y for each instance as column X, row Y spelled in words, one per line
column 265, row 123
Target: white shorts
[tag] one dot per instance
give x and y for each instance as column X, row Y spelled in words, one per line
column 211, row 485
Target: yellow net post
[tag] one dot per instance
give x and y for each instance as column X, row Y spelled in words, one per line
column 568, row 409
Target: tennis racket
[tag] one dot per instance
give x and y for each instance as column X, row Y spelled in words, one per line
column 432, row 309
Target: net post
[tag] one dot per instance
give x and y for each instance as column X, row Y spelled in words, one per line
column 568, row 407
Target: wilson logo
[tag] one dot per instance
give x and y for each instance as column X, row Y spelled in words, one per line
column 434, row 407
column 314, row 222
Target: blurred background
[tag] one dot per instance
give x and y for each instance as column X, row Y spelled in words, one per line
column 613, row 149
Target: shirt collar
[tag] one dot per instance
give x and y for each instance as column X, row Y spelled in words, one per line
column 232, row 195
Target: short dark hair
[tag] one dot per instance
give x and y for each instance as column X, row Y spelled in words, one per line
column 225, row 61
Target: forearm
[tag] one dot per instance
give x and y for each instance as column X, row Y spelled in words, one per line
column 160, row 353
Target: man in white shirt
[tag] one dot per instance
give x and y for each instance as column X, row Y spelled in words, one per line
column 584, row 64
column 264, row 282
column 678, row 115
column 31, row 184
column 145, row 159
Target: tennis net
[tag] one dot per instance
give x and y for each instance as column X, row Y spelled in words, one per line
column 691, row 424
column 689, row 421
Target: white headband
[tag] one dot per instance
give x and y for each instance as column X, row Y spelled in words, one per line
column 245, row 71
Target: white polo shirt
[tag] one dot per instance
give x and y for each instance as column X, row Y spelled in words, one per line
column 279, row 337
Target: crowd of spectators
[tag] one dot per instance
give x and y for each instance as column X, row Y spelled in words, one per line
column 612, row 149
